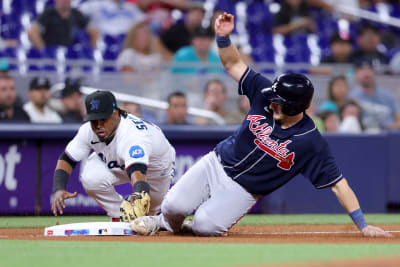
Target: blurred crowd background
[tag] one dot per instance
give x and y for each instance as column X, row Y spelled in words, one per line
column 52, row 52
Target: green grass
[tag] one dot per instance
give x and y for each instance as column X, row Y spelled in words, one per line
column 62, row 253
column 44, row 221
column 97, row 254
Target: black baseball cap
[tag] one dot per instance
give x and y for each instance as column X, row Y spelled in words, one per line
column 99, row 105
column 203, row 32
column 71, row 86
column 39, row 83
column 363, row 62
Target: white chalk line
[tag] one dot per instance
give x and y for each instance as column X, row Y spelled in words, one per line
column 308, row 233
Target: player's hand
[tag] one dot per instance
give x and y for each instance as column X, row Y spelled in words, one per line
column 373, row 231
column 224, row 24
column 57, row 200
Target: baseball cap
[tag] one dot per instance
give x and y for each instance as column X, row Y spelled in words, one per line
column 203, row 32
column 363, row 62
column 39, row 83
column 99, row 105
column 71, row 87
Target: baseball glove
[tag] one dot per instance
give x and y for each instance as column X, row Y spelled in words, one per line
column 134, row 206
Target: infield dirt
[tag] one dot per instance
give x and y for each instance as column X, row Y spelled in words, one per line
column 327, row 234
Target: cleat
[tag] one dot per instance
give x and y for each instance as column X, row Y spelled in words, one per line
column 146, row 225
column 115, row 219
column 186, row 227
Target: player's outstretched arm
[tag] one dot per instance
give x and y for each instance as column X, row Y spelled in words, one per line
column 61, row 175
column 349, row 201
column 228, row 54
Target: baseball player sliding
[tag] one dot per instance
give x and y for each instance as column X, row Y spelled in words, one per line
column 126, row 150
column 275, row 142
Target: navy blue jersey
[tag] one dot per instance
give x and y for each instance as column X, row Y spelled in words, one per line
column 261, row 156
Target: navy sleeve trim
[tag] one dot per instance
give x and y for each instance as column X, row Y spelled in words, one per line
column 244, row 76
column 136, row 167
column 331, row 183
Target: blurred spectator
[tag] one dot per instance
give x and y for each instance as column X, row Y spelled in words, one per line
column 3, row 66
column 59, row 25
column 136, row 109
column 310, row 111
column 330, row 121
column 4, row 43
column 9, row 110
column 132, row 108
column 395, row 62
column 350, row 115
column 159, row 12
column 138, row 54
column 293, row 17
column 189, row 59
column 237, row 116
column 338, row 91
column 39, row 96
column 72, row 102
column 341, row 49
column 215, row 95
column 379, row 109
column 368, row 41
column 112, row 17
column 179, row 34
column 177, row 111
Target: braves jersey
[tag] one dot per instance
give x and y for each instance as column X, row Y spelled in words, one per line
column 136, row 142
column 261, row 156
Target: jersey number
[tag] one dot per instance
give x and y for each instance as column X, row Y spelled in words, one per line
column 139, row 124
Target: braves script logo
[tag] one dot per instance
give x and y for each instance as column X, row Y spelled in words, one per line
column 270, row 146
column 94, row 104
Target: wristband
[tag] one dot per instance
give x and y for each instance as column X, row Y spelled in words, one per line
column 358, row 218
column 223, row 41
column 141, row 186
column 60, row 180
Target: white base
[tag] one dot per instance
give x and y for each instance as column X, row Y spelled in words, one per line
column 90, row 228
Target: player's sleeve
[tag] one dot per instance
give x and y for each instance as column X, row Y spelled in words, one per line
column 78, row 148
column 322, row 170
column 251, row 83
column 136, row 155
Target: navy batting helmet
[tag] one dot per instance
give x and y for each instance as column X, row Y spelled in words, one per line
column 292, row 90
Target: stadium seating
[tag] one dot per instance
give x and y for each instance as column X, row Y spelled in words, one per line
column 16, row 16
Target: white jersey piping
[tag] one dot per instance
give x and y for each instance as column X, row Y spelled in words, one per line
column 255, row 163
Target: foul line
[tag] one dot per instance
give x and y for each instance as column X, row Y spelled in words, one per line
column 307, row 233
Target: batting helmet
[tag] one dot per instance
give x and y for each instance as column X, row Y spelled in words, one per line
column 292, row 90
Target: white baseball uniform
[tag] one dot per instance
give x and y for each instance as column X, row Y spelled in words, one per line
column 136, row 143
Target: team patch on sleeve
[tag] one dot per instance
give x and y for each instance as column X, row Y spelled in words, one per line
column 136, row 152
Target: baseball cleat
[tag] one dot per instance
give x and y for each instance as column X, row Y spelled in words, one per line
column 146, row 225
column 186, row 227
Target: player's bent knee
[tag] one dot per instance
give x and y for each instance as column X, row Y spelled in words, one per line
column 203, row 225
column 91, row 184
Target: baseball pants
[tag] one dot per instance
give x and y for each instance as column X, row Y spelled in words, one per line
column 216, row 201
column 98, row 181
